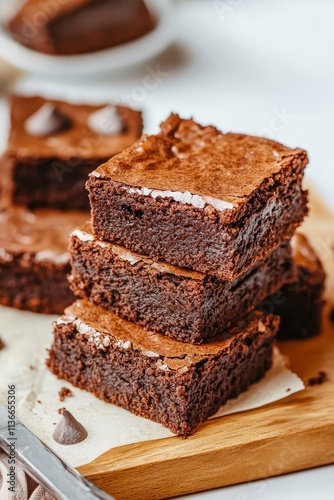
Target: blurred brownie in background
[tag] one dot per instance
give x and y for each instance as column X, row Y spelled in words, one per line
column 54, row 145
column 34, row 261
column 79, row 26
column 300, row 303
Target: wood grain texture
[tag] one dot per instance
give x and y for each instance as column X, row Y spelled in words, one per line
column 293, row 434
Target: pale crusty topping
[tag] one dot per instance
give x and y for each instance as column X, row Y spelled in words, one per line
column 151, row 354
column 106, row 341
column 184, row 197
column 82, row 235
column 95, row 174
column 65, row 319
column 83, row 327
column 261, row 327
column 163, row 367
column 127, row 344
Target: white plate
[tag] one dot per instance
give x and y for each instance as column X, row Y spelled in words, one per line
column 124, row 55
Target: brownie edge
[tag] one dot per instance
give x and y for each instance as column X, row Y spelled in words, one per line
column 177, row 385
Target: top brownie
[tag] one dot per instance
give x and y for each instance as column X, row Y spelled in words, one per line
column 198, row 198
column 54, row 145
column 79, row 26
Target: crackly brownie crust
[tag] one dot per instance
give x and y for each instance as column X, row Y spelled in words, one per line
column 80, row 26
column 51, row 171
column 184, row 305
column 300, row 303
column 157, row 199
column 34, row 261
column 175, row 384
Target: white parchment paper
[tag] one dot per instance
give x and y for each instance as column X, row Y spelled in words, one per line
column 26, row 337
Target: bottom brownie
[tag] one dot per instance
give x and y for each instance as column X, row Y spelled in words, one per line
column 34, row 261
column 178, row 385
column 300, row 304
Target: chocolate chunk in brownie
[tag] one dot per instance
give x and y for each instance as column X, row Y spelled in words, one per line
column 199, row 199
column 300, row 304
column 54, row 145
column 176, row 384
column 185, row 305
column 34, row 260
column 79, row 26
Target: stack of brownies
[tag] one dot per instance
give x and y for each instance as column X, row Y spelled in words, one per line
column 190, row 229
column 52, row 147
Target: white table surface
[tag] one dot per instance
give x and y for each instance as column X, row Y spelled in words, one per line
column 242, row 65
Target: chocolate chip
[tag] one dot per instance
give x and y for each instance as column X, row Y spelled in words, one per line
column 68, row 430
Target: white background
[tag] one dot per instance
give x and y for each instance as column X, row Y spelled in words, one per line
column 241, row 65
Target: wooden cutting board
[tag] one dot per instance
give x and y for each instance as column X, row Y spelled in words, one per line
column 293, row 434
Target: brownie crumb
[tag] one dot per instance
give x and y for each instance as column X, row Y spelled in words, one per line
column 61, row 409
column 288, row 389
column 165, row 367
column 2, row 345
column 331, row 315
column 32, row 368
column 39, row 401
column 319, row 379
column 65, row 392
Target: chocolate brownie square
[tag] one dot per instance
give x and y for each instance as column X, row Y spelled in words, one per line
column 79, row 26
column 300, row 303
column 178, row 385
column 199, row 199
column 54, row 145
column 34, row 258
column 185, row 305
